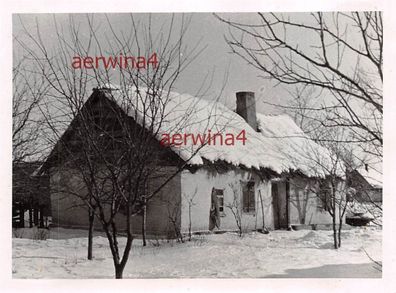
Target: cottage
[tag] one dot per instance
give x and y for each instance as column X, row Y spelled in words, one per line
column 264, row 178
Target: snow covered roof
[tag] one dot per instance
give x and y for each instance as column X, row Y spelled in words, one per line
column 295, row 150
column 280, row 144
column 372, row 175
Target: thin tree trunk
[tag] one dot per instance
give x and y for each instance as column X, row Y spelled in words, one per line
column 262, row 210
column 334, row 225
column 240, row 227
column 90, row 232
column 189, row 222
column 334, row 215
column 120, row 265
column 144, row 222
column 335, row 233
column 119, row 268
column 340, row 216
column 113, row 249
column 339, row 232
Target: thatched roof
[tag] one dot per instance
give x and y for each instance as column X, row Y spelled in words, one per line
column 280, row 145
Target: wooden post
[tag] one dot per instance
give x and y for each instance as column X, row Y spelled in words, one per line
column 91, row 218
column 30, row 217
column 287, row 203
column 144, row 220
column 41, row 217
column 275, row 199
column 262, row 209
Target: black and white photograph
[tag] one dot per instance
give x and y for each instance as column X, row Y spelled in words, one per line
column 198, row 145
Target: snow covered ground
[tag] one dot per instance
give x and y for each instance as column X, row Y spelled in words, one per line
column 278, row 254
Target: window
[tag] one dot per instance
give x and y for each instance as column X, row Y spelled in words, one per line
column 219, row 193
column 325, row 199
column 249, row 203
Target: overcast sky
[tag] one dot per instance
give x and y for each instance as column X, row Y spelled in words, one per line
column 204, row 30
column 215, row 64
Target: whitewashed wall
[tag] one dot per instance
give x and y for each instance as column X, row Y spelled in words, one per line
column 305, row 206
column 198, row 187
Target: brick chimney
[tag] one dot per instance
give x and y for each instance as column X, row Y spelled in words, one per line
column 246, row 107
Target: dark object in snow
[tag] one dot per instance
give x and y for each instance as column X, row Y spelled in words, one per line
column 327, row 227
column 358, row 219
column 263, row 231
column 298, row 227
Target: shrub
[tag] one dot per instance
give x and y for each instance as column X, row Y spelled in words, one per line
column 40, row 234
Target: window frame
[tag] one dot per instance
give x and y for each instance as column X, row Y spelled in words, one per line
column 251, row 200
column 220, row 194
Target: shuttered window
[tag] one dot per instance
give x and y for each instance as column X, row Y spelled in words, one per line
column 249, row 204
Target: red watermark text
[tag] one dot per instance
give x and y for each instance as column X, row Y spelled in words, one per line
column 180, row 139
column 121, row 61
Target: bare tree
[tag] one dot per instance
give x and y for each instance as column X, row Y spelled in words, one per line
column 340, row 59
column 28, row 92
column 333, row 196
column 189, row 198
column 345, row 154
column 337, row 140
column 174, row 214
column 328, row 167
column 112, row 144
column 334, row 75
column 236, row 209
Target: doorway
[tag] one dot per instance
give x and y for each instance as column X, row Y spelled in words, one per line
column 279, row 192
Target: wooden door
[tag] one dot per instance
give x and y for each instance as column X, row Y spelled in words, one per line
column 279, row 201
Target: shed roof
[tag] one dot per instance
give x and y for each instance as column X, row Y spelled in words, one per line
column 372, row 175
